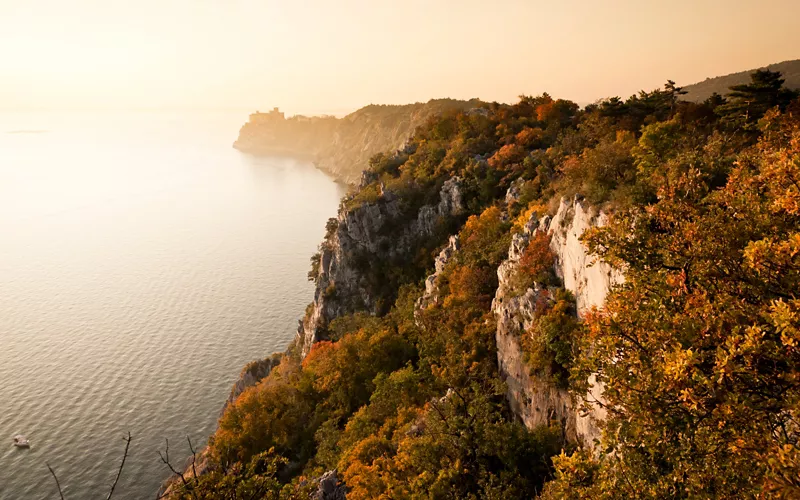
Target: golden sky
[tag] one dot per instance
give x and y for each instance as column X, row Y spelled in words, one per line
column 333, row 56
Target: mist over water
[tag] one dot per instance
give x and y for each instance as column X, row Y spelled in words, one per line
column 143, row 262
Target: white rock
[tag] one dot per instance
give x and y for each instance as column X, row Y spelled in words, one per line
column 342, row 285
column 534, row 399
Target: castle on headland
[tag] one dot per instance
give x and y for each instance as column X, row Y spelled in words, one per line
column 272, row 116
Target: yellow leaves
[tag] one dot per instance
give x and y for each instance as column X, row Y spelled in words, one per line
column 625, row 137
column 783, row 480
column 472, row 225
column 788, row 202
column 508, row 154
column 755, row 255
column 479, row 227
column 688, row 398
column 677, row 283
column 574, row 474
column 678, row 364
column 769, row 255
column 783, row 175
column 538, row 209
column 786, row 319
column 737, row 445
column 779, row 159
column 370, row 449
column 724, row 365
column 529, row 137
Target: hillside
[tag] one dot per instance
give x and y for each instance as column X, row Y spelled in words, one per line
column 541, row 301
column 341, row 146
column 701, row 91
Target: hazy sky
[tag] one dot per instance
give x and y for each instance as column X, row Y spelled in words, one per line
column 317, row 55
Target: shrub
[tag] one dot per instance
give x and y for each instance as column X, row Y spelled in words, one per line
column 537, row 265
column 549, row 345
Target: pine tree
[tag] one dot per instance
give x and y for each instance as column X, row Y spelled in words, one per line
column 674, row 93
column 747, row 103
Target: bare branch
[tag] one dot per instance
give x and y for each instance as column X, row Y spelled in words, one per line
column 165, row 459
column 119, row 472
column 194, row 457
column 58, row 485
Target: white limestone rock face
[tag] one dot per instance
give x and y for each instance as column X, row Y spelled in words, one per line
column 534, row 399
column 587, row 279
column 431, row 294
column 361, row 238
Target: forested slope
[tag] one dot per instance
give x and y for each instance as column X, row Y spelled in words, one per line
column 541, row 300
column 701, row 91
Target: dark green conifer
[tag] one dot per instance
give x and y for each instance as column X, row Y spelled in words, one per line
column 747, row 103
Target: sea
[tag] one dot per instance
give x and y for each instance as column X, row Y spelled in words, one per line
column 143, row 263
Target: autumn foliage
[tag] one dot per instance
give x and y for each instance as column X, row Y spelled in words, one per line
column 697, row 351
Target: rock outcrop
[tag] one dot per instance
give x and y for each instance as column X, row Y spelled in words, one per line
column 250, row 375
column 359, row 241
column 587, row 279
column 341, row 146
column 329, row 487
column 534, row 399
column 431, row 294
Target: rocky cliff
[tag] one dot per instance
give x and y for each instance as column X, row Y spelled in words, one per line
column 365, row 236
column 250, row 375
column 431, row 294
column 341, row 146
column 535, row 399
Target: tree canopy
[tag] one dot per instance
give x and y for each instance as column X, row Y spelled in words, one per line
column 698, row 351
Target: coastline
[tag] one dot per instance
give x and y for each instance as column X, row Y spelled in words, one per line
column 264, row 151
column 257, row 369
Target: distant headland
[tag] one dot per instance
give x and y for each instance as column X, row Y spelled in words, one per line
column 343, row 146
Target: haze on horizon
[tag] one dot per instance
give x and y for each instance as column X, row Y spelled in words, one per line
column 317, row 56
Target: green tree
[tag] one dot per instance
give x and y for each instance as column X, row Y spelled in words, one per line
column 699, row 349
column 747, row 103
column 256, row 479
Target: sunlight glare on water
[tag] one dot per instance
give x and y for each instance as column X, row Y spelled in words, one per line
column 143, row 262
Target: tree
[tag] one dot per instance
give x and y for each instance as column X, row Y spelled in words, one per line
column 257, row 479
column 674, row 93
column 699, row 349
column 747, row 103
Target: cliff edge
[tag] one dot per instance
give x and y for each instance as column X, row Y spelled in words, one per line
column 341, row 147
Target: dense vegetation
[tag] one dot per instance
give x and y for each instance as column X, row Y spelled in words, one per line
column 698, row 351
column 701, row 91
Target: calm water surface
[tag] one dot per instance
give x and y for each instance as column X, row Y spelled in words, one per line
column 143, row 262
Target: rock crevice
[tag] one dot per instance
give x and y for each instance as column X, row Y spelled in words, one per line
column 534, row 399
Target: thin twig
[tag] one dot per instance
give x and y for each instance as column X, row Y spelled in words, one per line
column 119, row 472
column 165, row 459
column 194, row 457
column 58, row 485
